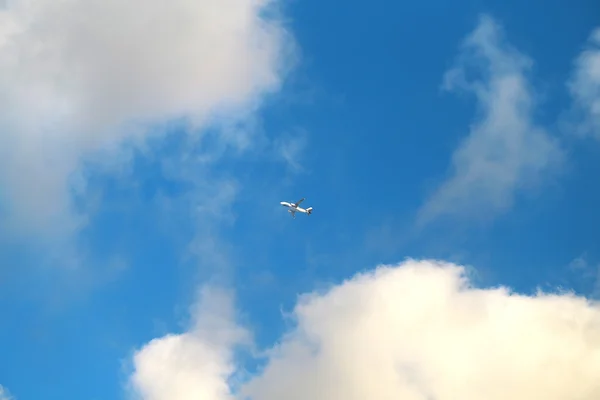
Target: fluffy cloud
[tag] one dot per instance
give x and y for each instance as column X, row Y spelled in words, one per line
column 505, row 150
column 78, row 76
column 585, row 85
column 194, row 365
column 415, row 331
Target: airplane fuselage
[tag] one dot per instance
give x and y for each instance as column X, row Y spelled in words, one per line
column 292, row 208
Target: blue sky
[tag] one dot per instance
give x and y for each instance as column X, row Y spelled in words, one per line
column 177, row 160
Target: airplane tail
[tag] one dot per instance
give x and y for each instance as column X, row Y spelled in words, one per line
column 309, row 210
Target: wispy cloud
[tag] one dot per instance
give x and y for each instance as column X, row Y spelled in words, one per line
column 199, row 212
column 414, row 331
column 290, row 148
column 77, row 78
column 5, row 394
column 584, row 86
column 505, row 151
column 587, row 273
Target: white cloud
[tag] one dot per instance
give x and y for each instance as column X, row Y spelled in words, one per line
column 585, row 86
column 505, row 150
column 81, row 76
column 5, row 394
column 415, row 331
column 196, row 364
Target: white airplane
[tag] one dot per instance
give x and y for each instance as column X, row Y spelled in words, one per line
column 293, row 207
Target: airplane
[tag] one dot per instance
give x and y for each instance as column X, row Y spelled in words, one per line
column 293, row 207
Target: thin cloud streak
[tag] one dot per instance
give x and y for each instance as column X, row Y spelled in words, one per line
column 506, row 151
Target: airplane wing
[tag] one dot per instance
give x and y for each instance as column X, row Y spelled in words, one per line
column 296, row 204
